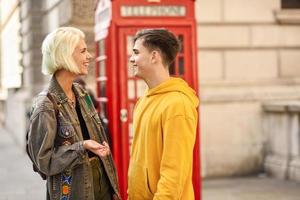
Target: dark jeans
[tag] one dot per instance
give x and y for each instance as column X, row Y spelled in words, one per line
column 102, row 188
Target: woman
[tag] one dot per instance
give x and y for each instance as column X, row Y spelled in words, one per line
column 66, row 138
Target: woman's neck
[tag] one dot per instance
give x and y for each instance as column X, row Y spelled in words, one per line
column 65, row 80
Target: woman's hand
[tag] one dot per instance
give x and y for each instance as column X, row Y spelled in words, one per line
column 101, row 150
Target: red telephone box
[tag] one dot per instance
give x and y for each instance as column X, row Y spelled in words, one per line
column 117, row 90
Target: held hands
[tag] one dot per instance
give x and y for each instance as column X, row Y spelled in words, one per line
column 101, row 150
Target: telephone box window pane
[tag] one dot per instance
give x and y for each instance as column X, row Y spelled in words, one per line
column 290, row 4
column 130, row 111
column 130, row 130
column 103, row 111
column 141, row 87
column 102, row 70
column 180, row 38
column 172, row 69
column 129, row 44
column 131, row 90
column 101, row 48
column 130, row 69
column 102, row 88
column 181, row 65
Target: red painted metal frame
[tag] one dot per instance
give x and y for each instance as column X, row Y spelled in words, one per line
column 123, row 105
column 197, row 178
column 114, row 92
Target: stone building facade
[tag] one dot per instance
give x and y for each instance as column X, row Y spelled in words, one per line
column 248, row 54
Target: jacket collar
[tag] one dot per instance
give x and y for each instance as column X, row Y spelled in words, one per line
column 56, row 89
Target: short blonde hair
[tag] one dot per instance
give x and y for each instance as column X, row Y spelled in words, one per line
column 57, row 50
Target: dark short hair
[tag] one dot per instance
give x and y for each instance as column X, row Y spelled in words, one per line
column 160, row 39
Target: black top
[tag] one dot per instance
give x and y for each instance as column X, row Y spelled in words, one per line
column 84, row 130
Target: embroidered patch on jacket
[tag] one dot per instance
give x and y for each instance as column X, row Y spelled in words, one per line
column 88, row 101
column 66, row 186
column 66, row 131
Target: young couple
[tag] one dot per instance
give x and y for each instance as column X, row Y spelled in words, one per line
column 67, row 141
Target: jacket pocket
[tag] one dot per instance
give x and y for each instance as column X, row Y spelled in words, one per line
column 148, row 182
column 139, row 183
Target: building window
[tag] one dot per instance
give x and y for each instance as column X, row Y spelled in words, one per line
column 290, row 4
column 289, row 13
column 10, row 40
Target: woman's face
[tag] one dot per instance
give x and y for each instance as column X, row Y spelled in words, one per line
column 82, row 57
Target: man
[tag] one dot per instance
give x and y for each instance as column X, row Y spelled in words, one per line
column 165, row 121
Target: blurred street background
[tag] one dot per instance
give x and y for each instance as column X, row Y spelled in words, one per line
column 241, row 56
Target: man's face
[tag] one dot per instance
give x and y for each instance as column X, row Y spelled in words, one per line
column 141, row 60
column 82, row 57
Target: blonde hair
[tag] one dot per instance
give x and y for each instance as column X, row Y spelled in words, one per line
column 57, row 50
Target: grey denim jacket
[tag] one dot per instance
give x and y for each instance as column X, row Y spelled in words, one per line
column 56, row 144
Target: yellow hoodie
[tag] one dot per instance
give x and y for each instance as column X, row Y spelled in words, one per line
column 165, row 121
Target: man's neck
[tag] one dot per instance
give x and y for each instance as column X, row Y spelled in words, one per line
column 158, row 77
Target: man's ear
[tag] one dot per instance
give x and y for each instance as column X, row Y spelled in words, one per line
column 155, row 56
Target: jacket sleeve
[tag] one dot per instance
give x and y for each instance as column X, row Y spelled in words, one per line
column 179, row 133
column 50, row 159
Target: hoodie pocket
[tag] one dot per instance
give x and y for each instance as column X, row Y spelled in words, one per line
column 138, row 184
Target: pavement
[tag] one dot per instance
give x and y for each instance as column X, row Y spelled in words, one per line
column 17, row 179
column 250, row 188
column 19, row 182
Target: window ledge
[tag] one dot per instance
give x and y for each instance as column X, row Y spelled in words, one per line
column 288, row 16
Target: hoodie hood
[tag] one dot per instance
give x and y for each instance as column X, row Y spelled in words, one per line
column 175, row 85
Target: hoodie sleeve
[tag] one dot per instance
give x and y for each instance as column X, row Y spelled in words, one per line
column 49, row 159
column 179, row 133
